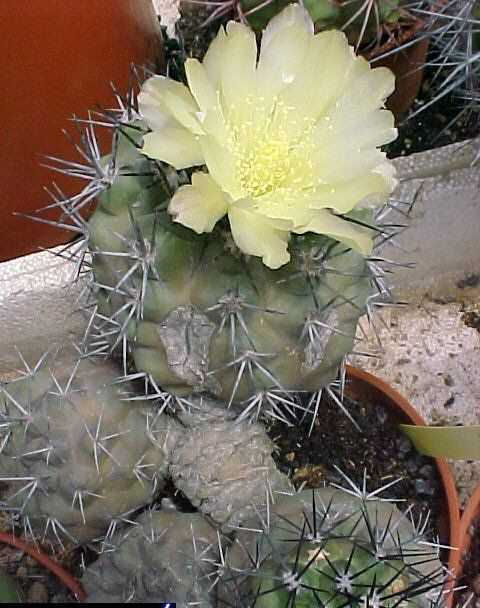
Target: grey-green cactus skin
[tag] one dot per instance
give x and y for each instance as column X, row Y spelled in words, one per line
column 200, row 316
column 224, row 466
column 313, row 549
column 77, row 457
column 330, row 548
column 166, row 557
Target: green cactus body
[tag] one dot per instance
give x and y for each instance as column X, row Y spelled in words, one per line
column 199, row 316
column 330, row 548
column 321, row 580
column 327, row 14
column 166, row 557
column 76, row 456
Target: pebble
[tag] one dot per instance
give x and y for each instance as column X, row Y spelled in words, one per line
column 37, row 594
column 423, row 486
column 381, row 415
column 412, row 467
column 403, row 445
column 427, row 471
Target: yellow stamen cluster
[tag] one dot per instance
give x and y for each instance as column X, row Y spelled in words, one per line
column 267, row 158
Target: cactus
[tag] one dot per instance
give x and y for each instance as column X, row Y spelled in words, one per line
column 328, row 547
column 196, row 315
column 77, row 457
column 324, row 547
column 224, row 467
column 352, row 16
column 165, row 557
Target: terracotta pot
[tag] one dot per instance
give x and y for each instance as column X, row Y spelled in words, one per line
column 364, row 386
column 472, row 511
column 407, row 65
column 59, row 59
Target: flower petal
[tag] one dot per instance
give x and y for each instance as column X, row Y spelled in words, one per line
column 339, row 162
column 294, row 15
column 215, row 56
column 281, row 61
column 255, row 235
column 200, row 205
column 284, row 205
column 366, row 190
column 161, row 97
column 367, row 89
column 238, row 80
column 326, row 68
column 200, row 85
column 221, row 166
column 354, row 236
column 173, row 145
column 285, row 43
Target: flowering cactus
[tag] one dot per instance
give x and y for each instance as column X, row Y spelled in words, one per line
column 259, row 292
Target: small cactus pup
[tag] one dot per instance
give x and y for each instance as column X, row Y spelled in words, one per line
column 77, row 457
column 332, row 548
column 166, row 556
column 224, row 466
column 352, row 16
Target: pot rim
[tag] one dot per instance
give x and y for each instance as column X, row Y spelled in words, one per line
column 448, row 481
column 471, row 511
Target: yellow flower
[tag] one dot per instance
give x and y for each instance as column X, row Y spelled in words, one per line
column 290, row 140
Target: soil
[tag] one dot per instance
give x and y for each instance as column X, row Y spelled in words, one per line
column 380, row 451
column 471, row 571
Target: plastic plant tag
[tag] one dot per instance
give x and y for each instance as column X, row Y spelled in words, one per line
column 455, row 442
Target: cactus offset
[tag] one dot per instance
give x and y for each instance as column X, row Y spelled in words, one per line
column 330, row 548
column 224, row 466
column 166, row 556
column 76, row 456
column 325, row 547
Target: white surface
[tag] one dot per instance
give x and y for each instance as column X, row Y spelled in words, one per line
column 38, row 307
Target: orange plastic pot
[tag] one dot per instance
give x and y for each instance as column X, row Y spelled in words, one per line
column 364, row 386
column 471, row 513
column 59, row 58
